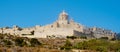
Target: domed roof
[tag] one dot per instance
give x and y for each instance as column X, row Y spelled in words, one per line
column 63, row 13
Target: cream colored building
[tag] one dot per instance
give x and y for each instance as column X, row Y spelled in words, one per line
column 62, row 27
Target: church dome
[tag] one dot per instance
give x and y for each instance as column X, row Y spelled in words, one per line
column 63, row 13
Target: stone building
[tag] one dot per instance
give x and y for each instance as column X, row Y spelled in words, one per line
column 62, row 27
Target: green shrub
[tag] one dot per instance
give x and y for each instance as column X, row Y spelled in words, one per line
column 106, row 38
column 101, row 49
column 20, row 42
column 34, row 42
column 7, row 42
column 71, row 37
column 67, row 45
column 83, row 37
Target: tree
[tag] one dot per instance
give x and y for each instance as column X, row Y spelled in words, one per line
column 32, row 32
column 34, row 42
column 106, row 38
column 83, row 37
column 20, row 42
column 71, row 37
column 67, row 45
column 7, row 42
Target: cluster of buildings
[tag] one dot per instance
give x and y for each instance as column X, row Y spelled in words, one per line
column 62, row 27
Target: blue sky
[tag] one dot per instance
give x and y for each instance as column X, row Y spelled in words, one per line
column 28, row 13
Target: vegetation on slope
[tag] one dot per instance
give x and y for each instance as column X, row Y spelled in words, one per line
column 80, row 43
column 10, row 40
column 101, row 45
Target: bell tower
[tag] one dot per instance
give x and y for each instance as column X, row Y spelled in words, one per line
column 63, row 18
